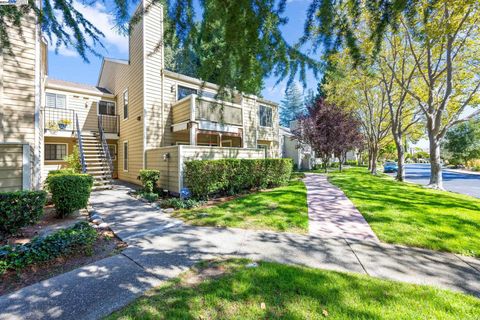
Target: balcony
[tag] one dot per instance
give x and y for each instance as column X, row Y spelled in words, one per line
column 61, row 122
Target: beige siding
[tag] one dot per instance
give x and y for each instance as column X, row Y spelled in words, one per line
column 84, row 105
column 218, row 112
column 11, row 167
column 17, row 84
column 169, row 174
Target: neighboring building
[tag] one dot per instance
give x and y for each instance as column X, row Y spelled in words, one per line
column 150, row 117
column 302, row 154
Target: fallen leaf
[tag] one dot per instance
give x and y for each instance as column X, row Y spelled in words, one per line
column 262, row 305
column 325, row 313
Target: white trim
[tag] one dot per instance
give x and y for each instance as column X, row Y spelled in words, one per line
column 128, row 158
column 39, row 132
column 180, row 168
column 26, row 168
column 108, row 115
column 66, row 151
column 144, row 113
column 180, row 126
column 73, row 89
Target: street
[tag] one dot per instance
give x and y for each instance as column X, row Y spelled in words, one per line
column 452, row 181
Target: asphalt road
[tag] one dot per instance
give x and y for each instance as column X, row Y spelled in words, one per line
column 452, row 181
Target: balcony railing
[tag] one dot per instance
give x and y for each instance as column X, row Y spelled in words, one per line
column 56, row 119
column 110, row 124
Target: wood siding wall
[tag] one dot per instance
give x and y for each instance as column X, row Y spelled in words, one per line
column 156, row 159
column 11, row 167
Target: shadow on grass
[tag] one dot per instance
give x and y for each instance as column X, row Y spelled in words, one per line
column 275, row 291
column 409, row 214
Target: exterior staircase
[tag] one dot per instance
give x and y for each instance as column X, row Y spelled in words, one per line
column 96, row 161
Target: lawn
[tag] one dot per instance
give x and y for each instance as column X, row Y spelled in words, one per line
column 408, row 214
column 279, row 209
column 275, row 291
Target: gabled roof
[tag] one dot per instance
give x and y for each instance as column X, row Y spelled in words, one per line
column 75, row 85
column 105, row 59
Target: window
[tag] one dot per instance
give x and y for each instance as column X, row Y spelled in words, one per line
column 125, row 104
column 54, row 100
column 112, row 148
column 183, row 92
column 106, row 108
column 125, row 156
column 265, row 116
column 55, row 152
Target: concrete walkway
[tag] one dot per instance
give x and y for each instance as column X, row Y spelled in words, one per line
column 332, row 214
column 160, row 248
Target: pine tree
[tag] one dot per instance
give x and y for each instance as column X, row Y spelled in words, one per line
column 292, row 106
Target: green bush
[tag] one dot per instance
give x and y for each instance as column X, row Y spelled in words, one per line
column 178, row 203
column 78, row 238
column 70, row 192
column 73, row 160
column 231, row 176
column 149, row 179
column 20, row 209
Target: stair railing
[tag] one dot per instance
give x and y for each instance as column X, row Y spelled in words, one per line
column 80, row 145
column 105, row 148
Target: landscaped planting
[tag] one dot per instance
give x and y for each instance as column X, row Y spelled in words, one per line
column 75, row 239
column 178, row 203
column 20, row 209
column 412, row 215
column 70, row 191
column 149, row 179
column 276, row 291
column 205, row 178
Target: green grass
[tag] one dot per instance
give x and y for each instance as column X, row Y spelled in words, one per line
column 408, row 214
column 279, row 209
column 289, row 292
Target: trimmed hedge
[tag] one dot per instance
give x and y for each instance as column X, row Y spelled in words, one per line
column 149, row 179
column 70, row 191
column 78, row 238
column 20, row 209
column 230, row 176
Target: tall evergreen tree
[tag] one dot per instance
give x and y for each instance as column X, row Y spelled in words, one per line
column 292, row 106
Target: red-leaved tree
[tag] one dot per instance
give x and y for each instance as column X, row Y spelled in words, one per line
column 330, row 130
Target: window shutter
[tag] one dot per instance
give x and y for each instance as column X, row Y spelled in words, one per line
column 61, row 101
column 50, row 100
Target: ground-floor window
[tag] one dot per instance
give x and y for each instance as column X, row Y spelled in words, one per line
column 125, row 156
column 55, row 151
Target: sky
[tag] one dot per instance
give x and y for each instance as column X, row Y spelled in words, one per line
column 66, row 64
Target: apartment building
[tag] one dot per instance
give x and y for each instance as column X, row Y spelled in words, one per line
column 139, row 115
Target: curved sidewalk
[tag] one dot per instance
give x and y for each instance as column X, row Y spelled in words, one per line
column 332, row 214
column 159, row 248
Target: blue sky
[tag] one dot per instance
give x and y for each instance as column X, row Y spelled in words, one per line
column 67, row 65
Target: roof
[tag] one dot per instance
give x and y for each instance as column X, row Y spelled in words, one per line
column 122, row 61
column 75, row 85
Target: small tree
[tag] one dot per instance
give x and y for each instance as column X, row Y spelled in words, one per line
column 463, row 141
column 292, row 106
column 73, row 160
column 329, row 130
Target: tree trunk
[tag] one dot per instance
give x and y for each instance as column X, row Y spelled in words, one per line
column 340, row 165
column 374, row 161
column 370, row 154
column 436, row 181
column 401, row 158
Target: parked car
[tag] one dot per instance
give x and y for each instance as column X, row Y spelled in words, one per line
column 390, row 167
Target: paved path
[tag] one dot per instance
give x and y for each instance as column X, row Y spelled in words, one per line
column 160, row 248
column 332, row 214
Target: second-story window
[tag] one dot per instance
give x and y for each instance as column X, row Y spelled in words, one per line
column 265, row 115
column 183, row 92
column 54, row 100
column 106, row 108
column 125, row 104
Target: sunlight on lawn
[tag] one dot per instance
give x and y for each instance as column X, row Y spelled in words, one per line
column 280, row 209
column 408, row 214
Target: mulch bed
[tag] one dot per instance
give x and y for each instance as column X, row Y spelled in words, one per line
column 106, row 245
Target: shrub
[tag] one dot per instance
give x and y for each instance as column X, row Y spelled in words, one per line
column 70, row 192
column 77, row 238
column 73, row 161
column 20, row 209
column 230, row 176
column 178, row 203
column 149, row 179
